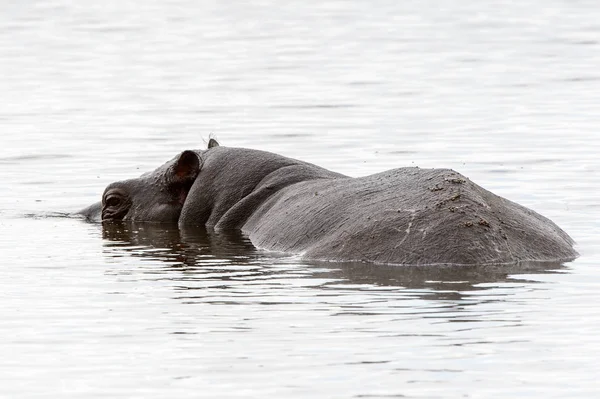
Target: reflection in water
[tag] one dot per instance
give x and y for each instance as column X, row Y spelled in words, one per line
column 179, row 247
column 199, row 255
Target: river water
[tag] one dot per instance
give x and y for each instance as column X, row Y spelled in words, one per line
column 507, row 93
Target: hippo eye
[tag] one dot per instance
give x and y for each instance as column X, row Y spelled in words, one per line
column 113, row 201
column 115, row 198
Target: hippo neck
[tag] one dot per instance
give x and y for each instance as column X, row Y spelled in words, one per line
column 234, row 182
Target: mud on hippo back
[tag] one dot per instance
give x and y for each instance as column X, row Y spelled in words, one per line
column 401, row 216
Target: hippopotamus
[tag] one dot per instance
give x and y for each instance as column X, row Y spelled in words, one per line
column 405, row 216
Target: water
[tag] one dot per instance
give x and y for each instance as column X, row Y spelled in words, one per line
column 506, row 93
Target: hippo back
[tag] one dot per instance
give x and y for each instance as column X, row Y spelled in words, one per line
column 405, row 216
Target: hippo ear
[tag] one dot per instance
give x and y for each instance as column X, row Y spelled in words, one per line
column 212, row 143
column 186, row 167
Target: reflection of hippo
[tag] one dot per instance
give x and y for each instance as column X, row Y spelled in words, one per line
column 402, row 216
column 206, row 256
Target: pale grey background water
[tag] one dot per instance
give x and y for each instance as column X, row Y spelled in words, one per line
column 507, row 93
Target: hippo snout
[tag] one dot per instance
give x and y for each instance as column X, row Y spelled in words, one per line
column 92, row 213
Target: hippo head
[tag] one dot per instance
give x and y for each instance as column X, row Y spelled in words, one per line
column 156, row 196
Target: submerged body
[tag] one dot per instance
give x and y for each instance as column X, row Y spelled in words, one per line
column 402, row 216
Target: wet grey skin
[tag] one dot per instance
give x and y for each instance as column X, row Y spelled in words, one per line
column 402, row 216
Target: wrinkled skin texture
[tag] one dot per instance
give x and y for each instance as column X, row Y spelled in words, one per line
column 402, row 216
